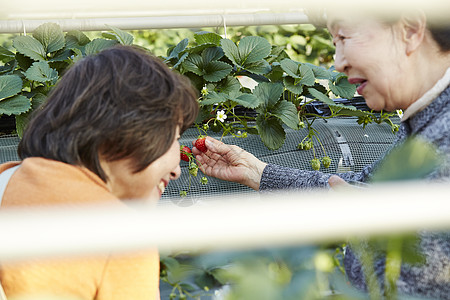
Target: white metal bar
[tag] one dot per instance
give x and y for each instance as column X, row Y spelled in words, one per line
column 51, row 9
column 138, row 14
column 167, row 22
column 235, row 222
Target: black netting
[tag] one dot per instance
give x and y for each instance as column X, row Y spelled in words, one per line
column 8, row 148
column 348, row 145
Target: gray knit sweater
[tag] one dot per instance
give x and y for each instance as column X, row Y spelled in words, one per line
column 431, row 280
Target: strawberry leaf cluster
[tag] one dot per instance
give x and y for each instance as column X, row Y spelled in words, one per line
column 34, row 65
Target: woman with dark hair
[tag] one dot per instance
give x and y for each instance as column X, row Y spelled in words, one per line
column 401, row 64
column 107, row 133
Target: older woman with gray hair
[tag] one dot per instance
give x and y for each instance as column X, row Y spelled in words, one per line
column 397, row 64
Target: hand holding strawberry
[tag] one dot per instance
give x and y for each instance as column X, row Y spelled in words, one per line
column 228, row 162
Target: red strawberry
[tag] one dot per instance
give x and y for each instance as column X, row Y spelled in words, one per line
column 200, row 144
column 183, row 151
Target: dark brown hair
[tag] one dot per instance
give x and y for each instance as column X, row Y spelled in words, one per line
column 120, row 103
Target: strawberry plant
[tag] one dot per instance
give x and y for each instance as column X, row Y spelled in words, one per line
column 280, row 93
column 36, row 62
column 187, row 156
column 278, row 97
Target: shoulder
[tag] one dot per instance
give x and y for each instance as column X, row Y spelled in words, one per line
column 434, row 122
column 7, row 165
column 41, row 181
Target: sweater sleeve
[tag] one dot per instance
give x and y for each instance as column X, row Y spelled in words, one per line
column 276, row 177
column 430, row 279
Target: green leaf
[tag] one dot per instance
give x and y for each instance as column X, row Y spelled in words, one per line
column 259, row 67
column 320, row 96
column 211, row 54
column 123, row 37
column 15, row 105
column 8, row 68
column 216, row 71
column 276, row 73
column 230, row 85
column 349, row 110
column 196, row 81
column 180, row 47
column 343, row 88
column 23, row 61
column 271, row 132
column 319, row 72
column 287, row 112
column 72, row 43
column 37, row 100
column 23, row 119
column 194, row 63
column 79, row 36
column 414, row 159
column 410, row 250
column 63, row 55
column 268, row 93
column 30, row 47
column 204, row 37
column 10, row 85
column 41, row 72
column 181, row 60
column 213, row 98
column 109, row 36
column 247, row 100
column 200, row 48
column 78, row 55
column 307, row 75
column 290, row 67
column 51, row 37
column 6, row 55
column 231, row 51
column 253, row 49
column 169, row 263
column 207, row 65
column 97, row 45
column 293, row 85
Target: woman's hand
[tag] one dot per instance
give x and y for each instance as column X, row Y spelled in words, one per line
column 337, row 182
column 230, row 163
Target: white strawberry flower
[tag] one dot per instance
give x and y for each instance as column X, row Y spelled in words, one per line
column 205, row 91
column 221, row 116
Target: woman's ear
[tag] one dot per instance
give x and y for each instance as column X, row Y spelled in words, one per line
column 413, row 30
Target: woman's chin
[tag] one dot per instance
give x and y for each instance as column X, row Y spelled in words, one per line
column 375, row 104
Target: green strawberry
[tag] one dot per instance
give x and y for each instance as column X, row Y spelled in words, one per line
column 315, row 164
column 193, row 169
column 326, row 161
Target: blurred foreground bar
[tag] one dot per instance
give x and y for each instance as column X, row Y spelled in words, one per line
column 233, row 222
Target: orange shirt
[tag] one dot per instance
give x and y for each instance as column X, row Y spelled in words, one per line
column 42, row 182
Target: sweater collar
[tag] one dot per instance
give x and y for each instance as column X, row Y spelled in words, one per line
column 423, row 117
column 428, row 97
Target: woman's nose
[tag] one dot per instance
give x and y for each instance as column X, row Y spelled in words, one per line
column 175, row 173
column 340, row 62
